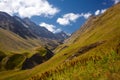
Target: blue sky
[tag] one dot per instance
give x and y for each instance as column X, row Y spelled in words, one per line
column 77, row 7
column 57, row 15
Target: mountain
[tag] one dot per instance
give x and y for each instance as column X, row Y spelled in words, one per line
column 61, row 36
column 41, row 31
column 91, row 53
column 38, row 30
column 82, row 29
column 27, row 31
column 19, row 39
column 11, row 42
column 94, row 48
column 24, row 27
column 10, row 23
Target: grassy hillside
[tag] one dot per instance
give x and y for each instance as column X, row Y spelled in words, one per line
column 91, row 65
column 15, row 50
column 92, row 62
column 10, row 42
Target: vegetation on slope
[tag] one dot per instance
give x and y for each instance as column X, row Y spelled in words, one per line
column 10, row 42
column 13, row 62
column 105, row 27
column 41, row 55
column 100, row 62
column 2, row 55
column 94, row 69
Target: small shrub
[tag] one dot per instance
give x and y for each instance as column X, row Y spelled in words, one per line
column 15, row 61
column 2, row 55
column 42, row 51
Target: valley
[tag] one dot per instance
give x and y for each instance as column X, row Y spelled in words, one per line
column 31, row 52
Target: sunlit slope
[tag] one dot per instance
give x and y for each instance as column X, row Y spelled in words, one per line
column 10, row 42
column 104, row 28
column 13, row 43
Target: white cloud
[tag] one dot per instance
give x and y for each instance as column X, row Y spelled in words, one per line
column 86, row 15
column 97, row 12
column 71, row 17
column 57, row 31
column 50, row 27
column 68, row 18
column 63, row 21
column 103, row 10
column 116, row 1
column 28, row 8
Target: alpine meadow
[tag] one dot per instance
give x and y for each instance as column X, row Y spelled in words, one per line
column 47, row 41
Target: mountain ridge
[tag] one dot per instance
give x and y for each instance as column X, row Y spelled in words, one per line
column 93, row 53
column 29, row 31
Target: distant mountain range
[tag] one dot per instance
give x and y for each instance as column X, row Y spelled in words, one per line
column 92, row 52
column 24, row 41
column 28, row 30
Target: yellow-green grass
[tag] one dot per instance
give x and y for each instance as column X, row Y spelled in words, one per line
column 106, row 28
column 13, row 62
column 105, row 68
column 10, row 42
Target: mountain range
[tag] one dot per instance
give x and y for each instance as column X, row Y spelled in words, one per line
column 28, row 31
column 90, row 53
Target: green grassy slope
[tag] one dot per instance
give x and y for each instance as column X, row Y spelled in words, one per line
column 105, row 27
column 14, row 50
column 14, row 62
column 13, row 43
column 103, row 58
column 10, row 42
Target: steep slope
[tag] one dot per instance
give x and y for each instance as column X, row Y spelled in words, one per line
column 96, row 50
column 61, row 36
column 83, row 54
column 106, row 28
column 17, row 42
column 43, row 32
column 19, row 33
column 10, row 42
column 10, row 23
column 82, row 29
column 38, row 30
column 90, row 53
column 42, row 55
column 75, row 36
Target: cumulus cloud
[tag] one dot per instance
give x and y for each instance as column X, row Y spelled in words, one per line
column 103, row 10
column 67, row 18
column 71, row 17
column 28, row 8
column 97, row 12
column 116, row 1
column 50, row 27
column 57, row 30
column 86, row 15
